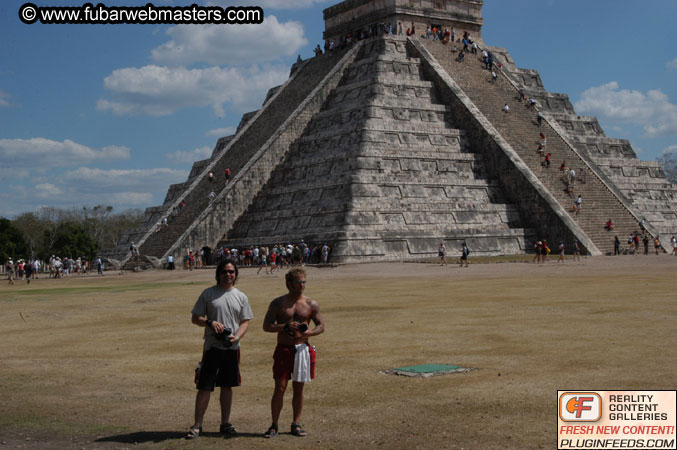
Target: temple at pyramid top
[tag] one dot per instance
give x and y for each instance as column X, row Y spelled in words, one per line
column 356, row 16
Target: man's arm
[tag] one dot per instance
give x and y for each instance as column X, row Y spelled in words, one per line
column 316, row 317
column 202, row 321
column 269, row 324
column 241, row 331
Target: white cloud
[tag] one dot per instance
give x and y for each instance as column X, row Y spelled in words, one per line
column 23, row 155
column 46, row 190
column 4, row 98
column 670, row 151
column 132, row 199
column 122, row 189
column 12, row 173
column 618, row 129
column 652, row 109
column 190, row 157
column 122, row 180
column 222, row 45
column 48, row 195
column 272, row 4
column 221, row 132
column 168, row 85
column 668, row 160
column 672, row 65
column 160, row 91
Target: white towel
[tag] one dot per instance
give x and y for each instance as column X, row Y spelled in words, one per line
column 301, row 364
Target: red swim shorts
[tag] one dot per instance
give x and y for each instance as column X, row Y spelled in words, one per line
column 283, row 365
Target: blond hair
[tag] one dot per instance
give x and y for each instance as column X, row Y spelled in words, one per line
column 293, row 273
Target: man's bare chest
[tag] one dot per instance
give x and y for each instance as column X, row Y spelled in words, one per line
column 298, row 312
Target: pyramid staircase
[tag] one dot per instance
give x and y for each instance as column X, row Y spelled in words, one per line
column 642, row 184
column 273, row 125
column 521, row 131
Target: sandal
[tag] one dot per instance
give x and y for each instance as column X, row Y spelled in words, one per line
column 296, row 430
column 271, row 433
column 227, row 429
column 194, row 432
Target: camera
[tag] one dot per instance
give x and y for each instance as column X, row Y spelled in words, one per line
column 302, row 327
column 224, row 337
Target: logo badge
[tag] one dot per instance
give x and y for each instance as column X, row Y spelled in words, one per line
column 580, row 407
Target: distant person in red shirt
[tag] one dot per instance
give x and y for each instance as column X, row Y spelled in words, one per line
column 609, row 226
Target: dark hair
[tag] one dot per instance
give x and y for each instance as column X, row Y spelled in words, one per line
column 222, row 266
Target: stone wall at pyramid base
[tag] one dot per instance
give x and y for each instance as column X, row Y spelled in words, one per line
column 345, row 249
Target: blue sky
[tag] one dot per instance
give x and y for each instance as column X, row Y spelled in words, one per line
column 114, row 114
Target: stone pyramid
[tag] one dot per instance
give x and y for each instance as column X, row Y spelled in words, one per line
column 382, row 172
column 389, row 146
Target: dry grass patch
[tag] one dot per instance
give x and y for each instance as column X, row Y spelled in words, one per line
column 107, row 362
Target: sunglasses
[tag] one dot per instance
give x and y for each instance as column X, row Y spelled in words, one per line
column 223, row 272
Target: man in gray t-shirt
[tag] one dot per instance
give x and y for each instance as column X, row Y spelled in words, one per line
column 224, row 312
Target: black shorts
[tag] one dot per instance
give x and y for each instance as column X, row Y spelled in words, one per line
column 219, row 368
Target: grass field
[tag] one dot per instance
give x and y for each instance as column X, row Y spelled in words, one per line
column 107, row 362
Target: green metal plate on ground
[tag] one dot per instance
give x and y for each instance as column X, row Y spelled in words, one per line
column 429, row 368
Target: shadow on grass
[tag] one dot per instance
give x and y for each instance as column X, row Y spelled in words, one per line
column 143, row 437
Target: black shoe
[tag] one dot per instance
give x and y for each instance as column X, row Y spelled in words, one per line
column 272, row 432
column 227, row 429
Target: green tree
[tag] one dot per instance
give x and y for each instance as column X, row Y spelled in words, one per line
column 118, row 224
column 47, row 225
column 95, row 220
column 52, row 220
column 12, row 244
column 72, row 240
column 33, row 229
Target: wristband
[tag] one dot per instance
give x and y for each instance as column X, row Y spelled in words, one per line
column 209, row 323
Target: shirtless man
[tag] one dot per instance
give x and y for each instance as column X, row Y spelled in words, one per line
column 294, row 357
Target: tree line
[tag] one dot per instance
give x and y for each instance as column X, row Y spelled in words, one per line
column 88, row 231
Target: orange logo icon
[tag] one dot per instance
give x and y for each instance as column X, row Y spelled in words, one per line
column 577, row 405
column 580, row 407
